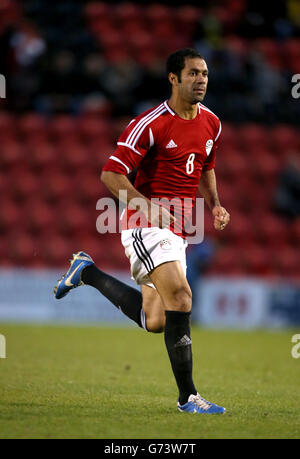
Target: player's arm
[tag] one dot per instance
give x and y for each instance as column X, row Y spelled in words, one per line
column 133, row 145
column 121, row 187
column 208, row 189
column 118, row 183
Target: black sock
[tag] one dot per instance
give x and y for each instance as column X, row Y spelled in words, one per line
column 124, row 297
column 179, row 346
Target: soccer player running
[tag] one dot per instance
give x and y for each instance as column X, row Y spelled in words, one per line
column 173, row 146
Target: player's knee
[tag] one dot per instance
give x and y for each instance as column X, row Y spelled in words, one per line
column 182, row 299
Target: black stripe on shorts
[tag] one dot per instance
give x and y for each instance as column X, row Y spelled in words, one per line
column 140, row 238
column 141, row 250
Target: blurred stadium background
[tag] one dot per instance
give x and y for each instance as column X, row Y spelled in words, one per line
column 76, row 72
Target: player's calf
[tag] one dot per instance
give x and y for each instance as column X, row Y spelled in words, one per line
column 154, row 309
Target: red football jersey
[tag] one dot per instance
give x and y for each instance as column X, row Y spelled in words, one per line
column 170, row 154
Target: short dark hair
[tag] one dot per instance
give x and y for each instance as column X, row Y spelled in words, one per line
column 176, row 61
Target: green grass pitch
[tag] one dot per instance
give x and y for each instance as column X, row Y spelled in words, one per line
column 99, row 382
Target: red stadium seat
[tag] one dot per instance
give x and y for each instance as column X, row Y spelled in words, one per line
column 90, row 190
column 291, row 54
column 117, row 55
column 254, row 190
column 226, row 262
column 240, row 231
column 56, row 187
column 229, row 138
column 295, row 233
column 139, row 39
column 91, row 129
column 228, row 193
column 232, row 165
column 291, row 47
column 96, row 10
column 271, row 230
column 96, row 107
column 10, row 216
column 209, row 230
column 102, row 26
column 127, row 12
column 116, row 256
column 255, row 198
column 96, row 245
column 286, row 262
column 284, row 139
column 22, row 248
column 187, row 17
column 12, row 155
column 265, row 165
column 157, row 13
column 55, row 250
column 8, row 128
column 112, row 39
column 271, row 51
column 39, row 217
column 5, row 184
column 118, row 125
column 256, row 260
column 164, row 32
column 10, row 14
column 25, row 185
column 5, row 257
column 224, row 16
column 73, row 157
column 32, row 124
column 252, row 137
column 61, row 127
column 145, row 57
column 99, row 151
column 91, row 245
column 41, row 157
column 72, row 218
column 238, row 45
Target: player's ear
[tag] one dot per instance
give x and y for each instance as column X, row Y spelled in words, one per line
column 173, row 79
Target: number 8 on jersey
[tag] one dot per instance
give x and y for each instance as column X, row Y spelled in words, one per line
column 190, row 164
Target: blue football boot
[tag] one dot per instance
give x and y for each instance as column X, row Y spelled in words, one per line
column 197, row 404
column 72, row 278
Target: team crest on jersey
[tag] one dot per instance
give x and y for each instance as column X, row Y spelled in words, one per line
column 208, row 146
column 165, row 244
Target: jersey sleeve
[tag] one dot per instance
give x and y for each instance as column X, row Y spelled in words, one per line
column 132, row 147
column 211, row 159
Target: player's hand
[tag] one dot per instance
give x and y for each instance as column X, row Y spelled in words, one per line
column 160, row 217
column 221, row 217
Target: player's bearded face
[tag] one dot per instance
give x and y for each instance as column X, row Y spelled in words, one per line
column 194, row 78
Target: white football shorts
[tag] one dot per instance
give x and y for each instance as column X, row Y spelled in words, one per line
column 148, row 248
